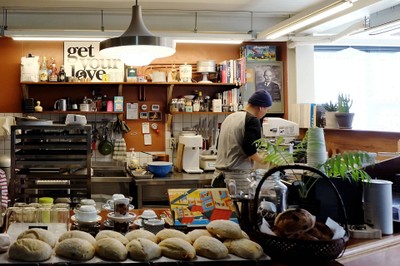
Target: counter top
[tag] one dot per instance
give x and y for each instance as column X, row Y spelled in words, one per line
column 176, row 177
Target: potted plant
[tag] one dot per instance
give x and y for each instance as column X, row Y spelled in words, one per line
column 344, row 170
column 330, row 114
column 343, row 115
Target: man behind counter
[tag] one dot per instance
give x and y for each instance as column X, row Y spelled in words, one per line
column 236, row 149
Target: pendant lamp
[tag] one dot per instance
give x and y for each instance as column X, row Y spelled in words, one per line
column 137, row 46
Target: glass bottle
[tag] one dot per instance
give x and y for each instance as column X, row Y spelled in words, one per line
column 43, row 72
column 201, row 101
column 61, row 74
column 281, row 193
column 53, row 75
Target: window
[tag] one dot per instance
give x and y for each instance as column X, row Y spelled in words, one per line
column 370, row 75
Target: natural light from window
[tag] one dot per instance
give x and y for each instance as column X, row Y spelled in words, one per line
column 371, row 79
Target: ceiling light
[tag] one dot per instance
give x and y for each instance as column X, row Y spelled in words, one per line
column 137, row 46
column 306, row 18
column 386, row 27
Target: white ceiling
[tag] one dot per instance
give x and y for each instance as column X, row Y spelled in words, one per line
column 195, row 18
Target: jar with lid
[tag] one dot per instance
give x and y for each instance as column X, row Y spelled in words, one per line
column 181, row 105
column 174, row 105
column 196, row 106
column 188, row 106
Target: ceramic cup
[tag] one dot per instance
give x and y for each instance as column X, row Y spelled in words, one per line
column 110, row 202
column 86, row 213
column 147, row 215
column 121, row 207
column 154, row 225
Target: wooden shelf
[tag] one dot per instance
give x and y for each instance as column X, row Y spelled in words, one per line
column 78, row 112
column 201, row 113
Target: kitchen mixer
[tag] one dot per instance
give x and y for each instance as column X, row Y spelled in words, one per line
column 191, row 153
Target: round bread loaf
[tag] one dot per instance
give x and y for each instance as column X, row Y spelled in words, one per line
column 196, row 233
column 40, row 234
column 28, row 249
column 141, row 233
column 75, row 249
column 294, row 221
column 177, row 248
column 143, row 249
column 225, row 229
column 4, row 242
column 244, row 248
column 78, row 234
column 210, row 247
column 111, row 249
column 168, row 233
column 321, row 231
column 112, row 234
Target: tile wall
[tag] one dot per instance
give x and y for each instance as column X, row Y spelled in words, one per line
column 179, row 122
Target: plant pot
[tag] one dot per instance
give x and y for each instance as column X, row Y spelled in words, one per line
column 330, row 120
column 345, row 120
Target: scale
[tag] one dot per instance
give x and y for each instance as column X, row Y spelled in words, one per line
column 205, row 67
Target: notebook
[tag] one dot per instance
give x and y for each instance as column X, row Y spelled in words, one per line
column 199, row 206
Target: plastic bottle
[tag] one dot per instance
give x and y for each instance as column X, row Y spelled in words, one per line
column 281, row 193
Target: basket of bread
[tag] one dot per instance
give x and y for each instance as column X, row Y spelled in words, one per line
column 295, row 235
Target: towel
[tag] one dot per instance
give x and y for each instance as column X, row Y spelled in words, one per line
column 4, row 189
column 5, row 125
column 119, row 153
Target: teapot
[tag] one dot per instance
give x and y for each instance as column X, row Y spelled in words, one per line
column 158, row 76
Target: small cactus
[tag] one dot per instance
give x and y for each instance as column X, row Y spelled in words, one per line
column 344, row 103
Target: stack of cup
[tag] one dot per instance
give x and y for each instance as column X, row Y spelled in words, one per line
column 316, row 149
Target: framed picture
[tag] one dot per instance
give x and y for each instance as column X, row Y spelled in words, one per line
column 266, row 76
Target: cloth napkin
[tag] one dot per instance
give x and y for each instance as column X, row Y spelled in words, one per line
column 5, row 125
column 119, row 153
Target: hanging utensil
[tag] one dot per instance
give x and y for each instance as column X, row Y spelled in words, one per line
column 105, row 146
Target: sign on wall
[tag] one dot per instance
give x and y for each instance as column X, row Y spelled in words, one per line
column 83, row 61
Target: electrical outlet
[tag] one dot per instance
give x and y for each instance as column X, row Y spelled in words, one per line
column 172, row 143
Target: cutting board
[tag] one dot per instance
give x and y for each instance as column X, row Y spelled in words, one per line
column 179, row 156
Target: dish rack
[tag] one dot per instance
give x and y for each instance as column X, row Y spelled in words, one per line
column 295, row 250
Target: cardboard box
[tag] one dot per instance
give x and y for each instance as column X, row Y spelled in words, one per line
column 258, row 53
column 118, row 103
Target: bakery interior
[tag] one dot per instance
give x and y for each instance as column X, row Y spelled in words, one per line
column 104, row 152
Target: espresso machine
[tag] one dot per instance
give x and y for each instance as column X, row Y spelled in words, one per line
column 191, row 153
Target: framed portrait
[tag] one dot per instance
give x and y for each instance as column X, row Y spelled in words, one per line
column 266, row 76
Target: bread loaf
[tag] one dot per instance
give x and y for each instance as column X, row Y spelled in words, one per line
column 28, row 249
column 75, row 249
column 321, row 231
column 40, row 234
column 196, row 233
column 4, row 242
column 225, row 229
column 77, row 234
column 112, row 234
column 168, row 233
column 210, row 247
column 244, row 248
column 111, row 249
column 140, row 233
column 294, row 221
column 143, row 249
column 177, row 248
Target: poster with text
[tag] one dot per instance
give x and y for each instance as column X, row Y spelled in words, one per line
column 83, row 61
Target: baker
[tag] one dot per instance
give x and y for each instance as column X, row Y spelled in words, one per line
column 236, row 149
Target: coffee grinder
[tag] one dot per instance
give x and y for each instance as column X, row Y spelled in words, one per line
column 191, row 153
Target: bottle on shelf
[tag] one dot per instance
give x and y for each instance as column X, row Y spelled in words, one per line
column 43, row 72
column 201, row 101
column 61, row 75
column 281, row 193
column 104, row 101
column 53, row 75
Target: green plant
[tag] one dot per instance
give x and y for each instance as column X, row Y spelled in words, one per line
column 347, row 165
column 330, row 107
column 344, row 103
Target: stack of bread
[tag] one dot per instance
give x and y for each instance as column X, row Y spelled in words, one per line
column 300, row 224
column 219, row 239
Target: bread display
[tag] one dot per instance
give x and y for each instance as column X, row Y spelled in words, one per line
column 29, row 249
column 321, row 231
column 244, row 248
column 141, row 233
column 293, row 221
column 225, row 229
column 111, row 249
column 143, row 249
column 168, row 233
column 112, row 234
column 196, row 233
column 210, row 247
column 177, row 248
column 75, row 249
column 40, row 234
column 77, row 234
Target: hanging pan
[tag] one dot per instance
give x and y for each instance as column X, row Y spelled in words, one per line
column 105, row 146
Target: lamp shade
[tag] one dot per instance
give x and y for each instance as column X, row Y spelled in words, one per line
column 137, row 46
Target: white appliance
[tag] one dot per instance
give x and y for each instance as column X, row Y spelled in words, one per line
column 207, row 162
column 276, row 127
column 191, row 153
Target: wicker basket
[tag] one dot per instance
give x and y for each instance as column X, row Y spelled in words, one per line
column 294, row 250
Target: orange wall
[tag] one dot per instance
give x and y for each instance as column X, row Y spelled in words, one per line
column 11, row 52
